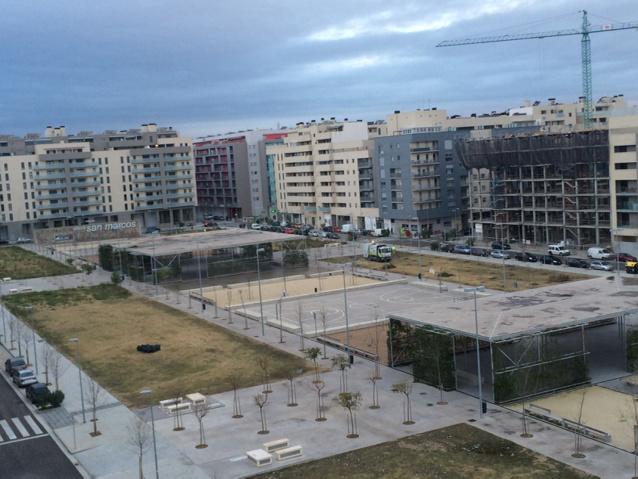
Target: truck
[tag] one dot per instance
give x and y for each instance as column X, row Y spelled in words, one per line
column 377, row 252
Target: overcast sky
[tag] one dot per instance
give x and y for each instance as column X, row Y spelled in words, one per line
column 207, row 66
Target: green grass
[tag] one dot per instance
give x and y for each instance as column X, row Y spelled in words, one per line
column 110, row 322
column 460, row 451
column 18, row 263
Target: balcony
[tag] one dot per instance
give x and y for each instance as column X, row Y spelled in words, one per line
column 83, row 174
column 53, row 165
column 52, row 176
column 147, row 188
column 54, row 196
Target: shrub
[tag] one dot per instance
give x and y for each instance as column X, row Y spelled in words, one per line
column 469, row 242
column 445, row 274
column 88, row 268
column 435, row 245
column 105, row 252
column 385, row 233
column 55, row 398
column 69, row 261
column 116, row 278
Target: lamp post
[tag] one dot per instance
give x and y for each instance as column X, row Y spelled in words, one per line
column 345, row 303
column 148, row 392
column 4, row 325
column 199, row 274
column 77, row 360
column 261, row 306
column 478, row 354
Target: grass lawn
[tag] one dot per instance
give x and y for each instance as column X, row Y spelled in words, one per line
column 469, row 272
column 460, row 451
column 196, row 356
column 18, row 263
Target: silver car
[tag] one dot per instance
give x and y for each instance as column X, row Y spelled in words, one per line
column 499, row 254
column 601, row 265
column 24, row 377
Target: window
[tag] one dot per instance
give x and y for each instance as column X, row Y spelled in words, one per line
column 624, row 148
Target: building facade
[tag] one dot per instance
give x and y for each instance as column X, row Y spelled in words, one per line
column 318, row 171
column 144, row 175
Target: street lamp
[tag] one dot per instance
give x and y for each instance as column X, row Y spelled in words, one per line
column 4, row 325
column 478, row 355
column 77, row 360
column 148, row 392
column 261, row 306
column 345, row 303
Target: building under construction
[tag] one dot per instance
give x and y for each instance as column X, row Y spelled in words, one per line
column 540, row 188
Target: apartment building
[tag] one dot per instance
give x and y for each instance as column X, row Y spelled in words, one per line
column 232, row 174
column 144, row 175
column 623, row 138
column 540, row 188
column 320, row 168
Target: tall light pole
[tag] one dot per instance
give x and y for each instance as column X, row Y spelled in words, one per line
column 4, row 325
column 77, row 360
column 199, row 274
column 478, row 354
column 345, row 303
column 261, row 305
column 149, row 392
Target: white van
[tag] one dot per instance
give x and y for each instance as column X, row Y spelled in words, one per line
column 558, row 249
column 599, row 253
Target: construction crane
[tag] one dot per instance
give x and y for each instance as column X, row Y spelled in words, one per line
column 585, row 47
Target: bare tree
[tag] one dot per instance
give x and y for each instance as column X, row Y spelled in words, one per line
column 377, row 359
column 300, row 320
column 235, row 382
column 577, row 435
column 313, row 354
column 320, row 410
column 375, row 394
column 323, row 325
column 264, row 365
column 178, row 422
column 45, row 355
column 19, row 330
column 405, row 388
column 350, row 402
column 260, row 402
column 229, row 302
column 93, row 395
column 27, row 341
column 292, row 391
column 200, row 410
column 139, row 438
column 12, row 333
column 57, row 366
column 341, row 362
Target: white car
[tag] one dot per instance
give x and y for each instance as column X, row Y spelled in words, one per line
column 499, row 254
column 255, row 226
column 599, row 253
column 601, row 265
column 558, row 250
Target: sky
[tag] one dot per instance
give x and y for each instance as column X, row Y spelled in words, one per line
column 208, row 67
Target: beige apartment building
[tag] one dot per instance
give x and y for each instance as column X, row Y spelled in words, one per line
column 623, row 138
column 141, row 175
column 320, row 171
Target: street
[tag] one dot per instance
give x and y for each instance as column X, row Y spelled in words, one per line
column 26, row 449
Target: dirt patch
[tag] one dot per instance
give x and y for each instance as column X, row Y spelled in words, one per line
column 18, row 263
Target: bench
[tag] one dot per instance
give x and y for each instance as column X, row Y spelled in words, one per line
column 170, row 402
column 273, row 446
column 259, row 457
column 182, row 406
column 13, row 290
column 289, row 453
column 587, row 430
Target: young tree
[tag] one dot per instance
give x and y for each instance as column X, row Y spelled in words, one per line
column 350, row 402
column 139, row 438
column 12, row 333
column 57, row 366
column 292, row 391
column 300, row 320
column 341, row 362
column 200, row 410
column 375, row 394
column 320, row 411
column 264, row 365
column 19, row 330
column 577, row 436
column 229, row 303
column 313, row 354
column 377, row 359
column 235, row 382
column 45, row 355
column 178, row 423
column 323, row 325
column 93, row 395
column 27, row 337
column 260, row 402
column 405, row 388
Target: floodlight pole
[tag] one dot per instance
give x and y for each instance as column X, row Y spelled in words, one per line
column 478, row 356
column 146, row 392
column 345, row 303
column 77, row 356
column 261, row 305
column 4, row 325
column 199, row 273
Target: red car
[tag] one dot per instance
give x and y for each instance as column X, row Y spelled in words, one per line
column 623, row 257
column 289, row 231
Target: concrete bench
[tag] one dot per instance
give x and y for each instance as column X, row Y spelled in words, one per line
column 273, row 446
column 182, row 406
column 27, row 289
column 587, row 430
column 259, row 457
column 170, row 402
column 13, row 290
column 289, row 453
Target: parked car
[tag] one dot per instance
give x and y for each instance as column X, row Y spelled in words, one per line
column 500, row 245
column 62, row 238
column 151, row 230
column 526, row 257
column 332, row 235
column 462, row 249
column 599, row 253
column 601, row 265
column 446, row 247
column 24, row 239
column 24, row 377
column 558, row 250
column 314, row 233
column 14, row 364
column 37, row 393
column 576, row 263
column 623, row 257
column 479, row 252
column 631, row 267
column 255, row 226
column 550, row 259
column 499, row 254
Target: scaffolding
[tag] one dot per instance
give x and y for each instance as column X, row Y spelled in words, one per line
column 541, row 188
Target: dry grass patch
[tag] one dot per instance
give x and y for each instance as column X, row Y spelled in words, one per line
column 111, row 322
column 18, row 263
column 466, row 271
column 460, row 451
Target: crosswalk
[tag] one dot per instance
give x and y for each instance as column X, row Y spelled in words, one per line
column 17, row 428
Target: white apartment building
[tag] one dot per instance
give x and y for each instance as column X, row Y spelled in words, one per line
column 318, row 170
column 144, row 175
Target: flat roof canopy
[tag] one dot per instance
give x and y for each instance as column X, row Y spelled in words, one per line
column 507, row 315
column 159, row 245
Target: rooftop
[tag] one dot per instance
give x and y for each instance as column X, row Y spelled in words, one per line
column 157, row 245
column 502, row 316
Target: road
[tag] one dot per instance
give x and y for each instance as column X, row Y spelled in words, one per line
column 26, row 449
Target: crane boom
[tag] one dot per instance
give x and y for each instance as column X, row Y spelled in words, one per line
column 585, row 30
